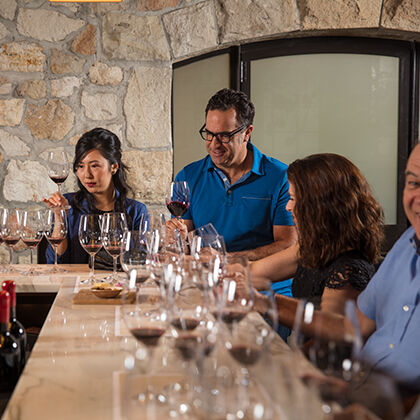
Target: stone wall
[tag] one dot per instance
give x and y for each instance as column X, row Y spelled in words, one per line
column 68, row 67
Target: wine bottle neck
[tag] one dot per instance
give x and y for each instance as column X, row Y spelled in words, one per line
column 12, row 313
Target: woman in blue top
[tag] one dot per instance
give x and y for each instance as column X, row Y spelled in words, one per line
column 102, row 181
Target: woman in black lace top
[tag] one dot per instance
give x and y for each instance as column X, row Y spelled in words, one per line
column 340, row 230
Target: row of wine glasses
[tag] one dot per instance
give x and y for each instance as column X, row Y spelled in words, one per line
column 30, row 226
column 197, row 317
column 107, row 230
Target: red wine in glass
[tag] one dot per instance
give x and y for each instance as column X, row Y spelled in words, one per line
column 58, row 167
column 10, row 240
column 149, row 336
column 31, row 243
column 178, row 198
column 245, row 354
column 58, row 179
column 55, row 241
column 113, row 250
column 92, row 248
column 177, row 208
column 185, row 323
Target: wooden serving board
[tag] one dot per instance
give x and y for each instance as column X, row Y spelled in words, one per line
column 86, row 297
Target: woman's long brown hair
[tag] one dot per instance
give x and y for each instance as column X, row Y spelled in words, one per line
column 335, row 210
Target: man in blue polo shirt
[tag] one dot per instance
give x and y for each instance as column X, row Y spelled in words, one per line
column 241, row 191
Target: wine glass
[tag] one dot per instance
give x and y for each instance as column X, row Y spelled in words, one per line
column 206, row 240
column 153, row 229
column 10, row 232
column 113, row 233
column 90, row 239
column 134, row 256
column 178, row 198
column 147, row 321
column 248, row 342
column 32, row 231
column 55, row 230
column 234, row 291
column 58, row 167
column 193, row 329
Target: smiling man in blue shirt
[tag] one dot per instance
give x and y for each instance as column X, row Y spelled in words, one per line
column 241, row 191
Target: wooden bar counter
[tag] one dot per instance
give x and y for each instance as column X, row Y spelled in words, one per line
column 76, row 365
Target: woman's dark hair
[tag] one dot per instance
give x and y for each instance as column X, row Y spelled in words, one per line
column 109, row 146
column 335, row 210
column 228, row 98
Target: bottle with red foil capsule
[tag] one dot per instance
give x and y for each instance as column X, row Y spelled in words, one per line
column 16, row 328
column 9, row 348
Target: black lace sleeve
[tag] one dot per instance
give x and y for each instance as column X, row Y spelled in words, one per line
column 350, row 270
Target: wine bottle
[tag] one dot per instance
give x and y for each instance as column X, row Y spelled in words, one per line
column 9, row 348
column 16, row 328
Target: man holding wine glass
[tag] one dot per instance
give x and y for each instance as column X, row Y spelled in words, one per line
column 240, row 191
column 103, row 188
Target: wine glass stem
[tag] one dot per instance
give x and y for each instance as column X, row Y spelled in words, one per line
column 114, row 274
column 32, row 256
column 55, row 256
column 59, row 188
column 92, row 266
column 11, row 255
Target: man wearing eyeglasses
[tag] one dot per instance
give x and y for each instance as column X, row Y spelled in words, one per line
column 241, row 191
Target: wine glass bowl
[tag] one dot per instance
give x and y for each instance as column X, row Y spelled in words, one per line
column 147, row 320
column 246, row 343
column 55, row 230
column 113, row 233
column 32, row 231
column 178, row 198
column 235, row 292
column 90, row 239
column 10, row 231
column 58, row 167
column 205, row 240
column 134, row 256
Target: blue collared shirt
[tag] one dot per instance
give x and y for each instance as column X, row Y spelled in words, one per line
column 392, row 300
column 245, row 212
column 75, row 254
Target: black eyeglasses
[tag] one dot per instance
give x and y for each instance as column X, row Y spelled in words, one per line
column 223, row 137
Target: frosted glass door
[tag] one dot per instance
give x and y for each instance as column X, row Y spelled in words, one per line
column 193, row 85
column 338, row 103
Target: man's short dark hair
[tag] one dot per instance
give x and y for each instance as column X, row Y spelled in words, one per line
column 228, row 98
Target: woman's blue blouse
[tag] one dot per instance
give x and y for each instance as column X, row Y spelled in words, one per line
column 75, row 254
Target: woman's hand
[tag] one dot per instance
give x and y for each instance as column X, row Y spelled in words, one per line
column 56, row 200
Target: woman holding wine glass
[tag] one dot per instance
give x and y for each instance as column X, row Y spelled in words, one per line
column 58, row 167
column 103, row 188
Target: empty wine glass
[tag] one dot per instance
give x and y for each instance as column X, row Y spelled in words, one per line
column 134, row 256
column 153, row 229
column 32, row 231
column 178, row 198
column 58, row 167
column 206, row 241
column 10, row 232
column 55, row 230
column 114, row 228
column 91, row 240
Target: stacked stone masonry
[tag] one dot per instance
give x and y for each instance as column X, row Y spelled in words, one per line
column 68, row 67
